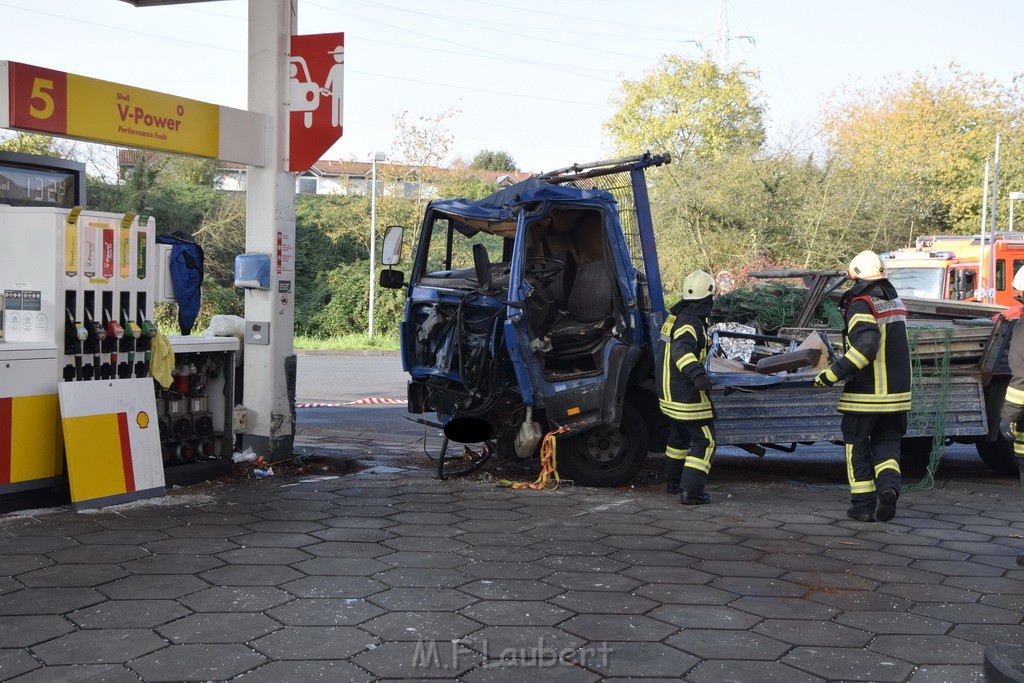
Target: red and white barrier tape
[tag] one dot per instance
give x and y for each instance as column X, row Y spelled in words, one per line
column 360, row 402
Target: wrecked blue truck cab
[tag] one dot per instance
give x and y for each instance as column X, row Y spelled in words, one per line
column 530, row 311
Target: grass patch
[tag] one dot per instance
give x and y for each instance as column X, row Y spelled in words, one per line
column 348, row 342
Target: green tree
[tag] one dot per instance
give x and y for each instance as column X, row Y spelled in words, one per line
column 693, row 109
column 34, row 143
column 922, row 141
column 490, row 160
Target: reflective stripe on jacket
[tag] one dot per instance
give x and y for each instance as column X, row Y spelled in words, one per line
column 877, row 360
column 683, row 350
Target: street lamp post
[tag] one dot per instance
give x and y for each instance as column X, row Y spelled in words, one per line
column 1014, row 196
column 377, row 156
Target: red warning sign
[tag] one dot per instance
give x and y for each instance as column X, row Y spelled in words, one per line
column 316, row 75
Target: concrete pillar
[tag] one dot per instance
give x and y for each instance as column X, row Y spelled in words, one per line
column 270, row 229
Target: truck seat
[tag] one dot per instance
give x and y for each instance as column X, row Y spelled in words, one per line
column 588, row 315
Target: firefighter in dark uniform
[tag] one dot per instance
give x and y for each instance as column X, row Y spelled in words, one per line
column 683, row 388
column 1012, row 412
column 876, row 397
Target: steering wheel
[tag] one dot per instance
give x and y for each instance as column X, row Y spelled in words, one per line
column 544, row 266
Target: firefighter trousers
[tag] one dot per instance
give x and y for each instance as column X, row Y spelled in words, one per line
column 690, row 448
column 872, row 455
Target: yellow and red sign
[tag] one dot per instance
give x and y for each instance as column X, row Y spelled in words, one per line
column 59, row 103
column 30, row 444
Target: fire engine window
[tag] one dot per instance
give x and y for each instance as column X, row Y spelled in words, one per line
column 1017, row 265
column 1000, row 275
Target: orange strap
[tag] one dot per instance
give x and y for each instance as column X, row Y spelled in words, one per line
column 548, row 478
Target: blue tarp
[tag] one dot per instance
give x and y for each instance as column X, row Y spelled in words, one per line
column 186, row 276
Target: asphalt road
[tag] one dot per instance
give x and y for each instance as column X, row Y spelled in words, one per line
column 342, row 378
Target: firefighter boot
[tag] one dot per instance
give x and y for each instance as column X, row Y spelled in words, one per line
column 673, row 473
column 692, row 485
column 886, row 504
column 862, row 508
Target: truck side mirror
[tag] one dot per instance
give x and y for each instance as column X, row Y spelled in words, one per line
column 392, row 279
column 391, row 249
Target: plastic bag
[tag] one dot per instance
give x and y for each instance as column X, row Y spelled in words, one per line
column 226, row 326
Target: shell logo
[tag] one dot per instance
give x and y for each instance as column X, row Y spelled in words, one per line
column 142, row 419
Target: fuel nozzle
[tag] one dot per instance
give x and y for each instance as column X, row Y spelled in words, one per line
column 95, row 337
column 132, row 332
column 74, row 344
column 147, row 331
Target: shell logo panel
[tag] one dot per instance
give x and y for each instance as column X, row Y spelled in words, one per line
column 111, row 441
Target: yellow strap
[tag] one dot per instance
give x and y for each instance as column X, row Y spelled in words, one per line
column 548, row 478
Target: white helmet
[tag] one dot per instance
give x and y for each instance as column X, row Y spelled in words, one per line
column 866, row 266
column 1018, row 280
column 698, row 285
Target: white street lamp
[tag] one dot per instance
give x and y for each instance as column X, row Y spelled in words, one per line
column 377, row 156
column 1013, row 197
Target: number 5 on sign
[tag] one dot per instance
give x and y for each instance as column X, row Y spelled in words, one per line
column 39, row 99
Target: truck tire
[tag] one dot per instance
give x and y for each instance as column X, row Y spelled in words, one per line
column 605, row 456
column 998, row 455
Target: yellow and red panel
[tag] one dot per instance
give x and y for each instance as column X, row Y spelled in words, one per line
column 112, row 442
column 30, row 441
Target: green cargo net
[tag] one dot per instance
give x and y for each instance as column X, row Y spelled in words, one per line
column 929, row 410
column 771, row 306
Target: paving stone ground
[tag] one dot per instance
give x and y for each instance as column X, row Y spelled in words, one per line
column 389, row 574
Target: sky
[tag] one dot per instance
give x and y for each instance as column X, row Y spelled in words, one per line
column 533, row 78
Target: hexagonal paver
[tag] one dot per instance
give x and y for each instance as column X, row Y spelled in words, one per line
column 153, row 586
column 197, row 662
column 15, row 662
column 172, row 564
column 68, row 575
column 516, row 613
column 591, row 581
column 815, row 633
column 889, row 622
column 420, row 626
column 725, row 644
column 749, row 670
column 325, row 612
column 314, row 642
column 87, row 673
column 190, row 546
column 506, row 570
column 104, row 646
column 28, row 630
column 676, row 594
column 783, row 608
column 334, row 587
column 427, row 559
column 704, row 617
column 423, row 578
column 103, row 554
column 510, row 589
column 968, row 613
column 122, row 536
column 835, row 663
column 635, row 659
column 333, row 671
column 236, row 599
column 924, row 649
column 600, row 602
column 413, row 599
column 418, row 660
column 34, row 545
column 251, row 575
column 341, row 566
column 218, row 627
column 262, row 555
column 48, row 600
column 625, row 627
column 128, row 614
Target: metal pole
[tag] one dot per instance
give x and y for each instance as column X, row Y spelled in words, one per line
column 984, row 217
column 992, row 235
column 373, row 235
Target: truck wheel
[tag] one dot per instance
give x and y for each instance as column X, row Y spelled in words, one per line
column 605, row 456
column 998, row 455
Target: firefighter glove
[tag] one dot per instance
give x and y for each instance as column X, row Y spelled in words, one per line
column 826, row 378
column 703, row 382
